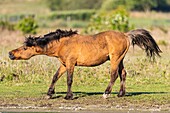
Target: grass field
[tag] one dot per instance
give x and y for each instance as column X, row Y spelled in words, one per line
column 37, row 7
column 150, row 19
column 40, row 10
column 24, row 84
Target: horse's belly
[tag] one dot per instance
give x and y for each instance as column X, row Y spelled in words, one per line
column 92, row 54
column 92, row 61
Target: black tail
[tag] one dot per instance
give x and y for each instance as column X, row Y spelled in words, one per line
column 144, row 40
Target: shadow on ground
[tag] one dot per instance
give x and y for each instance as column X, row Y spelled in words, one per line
column 84, row 94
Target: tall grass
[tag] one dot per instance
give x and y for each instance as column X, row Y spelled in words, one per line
column 40, row 69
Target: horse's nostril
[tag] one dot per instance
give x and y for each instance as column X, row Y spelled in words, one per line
column 10, row 53
column 11, row 56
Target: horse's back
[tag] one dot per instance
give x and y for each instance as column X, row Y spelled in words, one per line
column 95, row 49
column 91, row 50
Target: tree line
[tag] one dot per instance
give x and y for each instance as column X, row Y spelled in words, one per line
column 132, row 5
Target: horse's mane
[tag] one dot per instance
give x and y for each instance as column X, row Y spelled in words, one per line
column 43, row 41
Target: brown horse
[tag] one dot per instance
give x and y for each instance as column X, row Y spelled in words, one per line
column 73, row 49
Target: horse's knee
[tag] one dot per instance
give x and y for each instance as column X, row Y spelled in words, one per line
column 122, row 83
column 124, row 74
column 114, row 75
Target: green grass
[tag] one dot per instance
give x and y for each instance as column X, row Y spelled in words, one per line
column 37, row 7
column 147, row 83
column 145, row 22
column 139, row 96
column 13, row 11
column 26, row 82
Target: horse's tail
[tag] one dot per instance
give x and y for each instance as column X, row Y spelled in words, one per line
column 144, row 40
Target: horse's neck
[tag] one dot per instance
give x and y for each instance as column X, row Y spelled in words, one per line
column 53, row 47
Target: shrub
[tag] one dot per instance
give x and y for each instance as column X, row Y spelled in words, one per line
column 6, row 25
column 27, row 25
column 115, row 20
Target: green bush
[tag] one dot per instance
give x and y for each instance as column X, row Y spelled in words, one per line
column 27, row 25
column 6, row 25
column 73, row 15
column 113, row 20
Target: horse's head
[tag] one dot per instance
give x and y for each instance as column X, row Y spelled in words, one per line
column 29, row 49
column 36, row 45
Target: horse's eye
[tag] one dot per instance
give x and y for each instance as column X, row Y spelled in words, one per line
column 25, row 48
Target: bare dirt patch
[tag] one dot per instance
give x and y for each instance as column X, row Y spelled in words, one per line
column 90, row 103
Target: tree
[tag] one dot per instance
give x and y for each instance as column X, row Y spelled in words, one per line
column 139, row 5
column 145, row 5
column 163, row 5
column 27, row 25
column 116, row 19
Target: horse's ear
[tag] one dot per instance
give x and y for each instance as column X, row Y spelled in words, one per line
column 42, row 42
column 30, row 41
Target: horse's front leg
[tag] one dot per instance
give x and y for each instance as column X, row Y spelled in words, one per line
column 70, row 70
column 57, row 75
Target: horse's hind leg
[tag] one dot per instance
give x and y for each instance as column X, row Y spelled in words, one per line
column 122, row 74
column 57, row 75
column 113, row 76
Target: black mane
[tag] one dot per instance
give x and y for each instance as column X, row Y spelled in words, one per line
column 43, row 41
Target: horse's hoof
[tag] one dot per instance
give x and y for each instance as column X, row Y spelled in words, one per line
column 69, row 97
column 50, row 91
column 48, row 97
column 105, row 96
column 121, row 94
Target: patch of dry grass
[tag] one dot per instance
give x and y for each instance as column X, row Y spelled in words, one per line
column 151, row 15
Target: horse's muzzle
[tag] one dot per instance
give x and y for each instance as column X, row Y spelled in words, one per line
column 11, row 56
